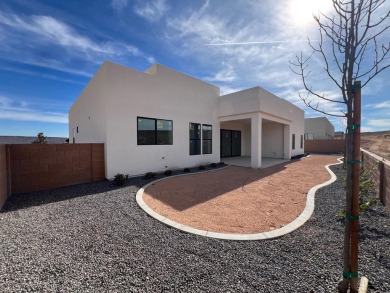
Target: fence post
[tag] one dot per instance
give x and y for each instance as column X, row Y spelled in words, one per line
column 382, row 190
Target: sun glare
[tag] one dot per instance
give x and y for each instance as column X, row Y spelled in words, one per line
column 302, row 10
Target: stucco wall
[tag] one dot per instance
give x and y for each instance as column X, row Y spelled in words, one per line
column 273, row 140
column 319, row 128
column 88, row 111
column 160, row 93
column 248, row 102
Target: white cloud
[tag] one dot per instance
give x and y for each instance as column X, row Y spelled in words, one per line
column 225, row 75
column 225, row 90
column 35, row 73
column 118, row 5
column 151, row 10
column 19, row 111
column 382, row 105
column 46, row 31
column 379, row 123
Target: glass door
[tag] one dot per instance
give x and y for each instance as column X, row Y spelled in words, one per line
column 226, row 145
column 230, row 143
column 236, row 143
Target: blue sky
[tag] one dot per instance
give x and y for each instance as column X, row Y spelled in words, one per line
column 49, row 50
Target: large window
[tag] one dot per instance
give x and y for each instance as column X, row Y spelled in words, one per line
column 194, row 139
column 154, row 131
column 207, row 136
column 293, row 141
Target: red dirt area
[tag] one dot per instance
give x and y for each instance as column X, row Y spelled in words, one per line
column 238, row 199
column 377, row 143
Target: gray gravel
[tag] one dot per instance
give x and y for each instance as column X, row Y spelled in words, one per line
column 94, row 238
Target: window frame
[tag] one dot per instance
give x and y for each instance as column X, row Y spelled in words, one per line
column 155, row 131
column 207, row 139
column 199, row 140
column 293, row 141
column 301, row 141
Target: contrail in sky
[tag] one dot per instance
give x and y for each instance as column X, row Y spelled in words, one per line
column 254, row 43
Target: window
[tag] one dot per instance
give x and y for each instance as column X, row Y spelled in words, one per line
column 207, row 136
column 301, row 141
column 77, row 129
column 74, row 135
column 293, row 141
column 154, row 131
column 194, row 139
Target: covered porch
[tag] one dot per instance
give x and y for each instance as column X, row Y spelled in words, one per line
column 254, row 140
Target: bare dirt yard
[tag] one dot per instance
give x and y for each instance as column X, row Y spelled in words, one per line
column 237, row 199
column 377, row 143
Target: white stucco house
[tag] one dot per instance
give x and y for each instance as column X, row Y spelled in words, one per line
column 163, row 119
column 318, row 128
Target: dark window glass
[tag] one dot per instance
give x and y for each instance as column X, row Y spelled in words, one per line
column 194, row 139
column 207, row 133
column 301, row 141
column 293, row 141
column 164, row 132
column 154, row 131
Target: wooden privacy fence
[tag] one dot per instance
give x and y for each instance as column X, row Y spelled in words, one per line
column 379, row 171
column 33, row 167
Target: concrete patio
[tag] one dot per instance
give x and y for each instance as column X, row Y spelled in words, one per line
column 245, row 161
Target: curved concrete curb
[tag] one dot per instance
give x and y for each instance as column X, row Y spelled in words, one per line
column 298, row 222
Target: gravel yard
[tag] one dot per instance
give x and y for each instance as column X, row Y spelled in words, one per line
column 95, row 238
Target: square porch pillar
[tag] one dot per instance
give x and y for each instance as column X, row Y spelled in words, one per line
column 287, row 142
column 256, row 128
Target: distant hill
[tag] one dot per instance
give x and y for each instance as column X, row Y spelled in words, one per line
column 29, row 139
column 377, row 143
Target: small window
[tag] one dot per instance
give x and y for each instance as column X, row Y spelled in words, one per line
column 301, row 141
column 77, row 129
column 293, row 141
column 194, row 139
column 207, row 136
column 152, row 131
column 74, row 135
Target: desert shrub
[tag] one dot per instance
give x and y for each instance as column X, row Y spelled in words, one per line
column 186, row 170
column 222, row 163
column 120, row 179
column 168, row 172
column 201, row 167
column 213, row 165
column 367, row 195
column 149, row 175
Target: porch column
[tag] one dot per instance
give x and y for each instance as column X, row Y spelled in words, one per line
column 256, row 125
column 287, row 143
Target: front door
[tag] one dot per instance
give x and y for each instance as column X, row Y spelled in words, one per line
column 230, row 143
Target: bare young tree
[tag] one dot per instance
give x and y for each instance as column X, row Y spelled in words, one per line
column 353, row 47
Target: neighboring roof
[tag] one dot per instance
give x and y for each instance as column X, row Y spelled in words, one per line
column 318, row 118
column 29, row 139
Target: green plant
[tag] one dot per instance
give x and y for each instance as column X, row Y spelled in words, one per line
column 186, row 170
column 168, row 172
column 213, row 165
column 149, row 175
column 366, row 189
column 120, row 179
column 201, row 167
